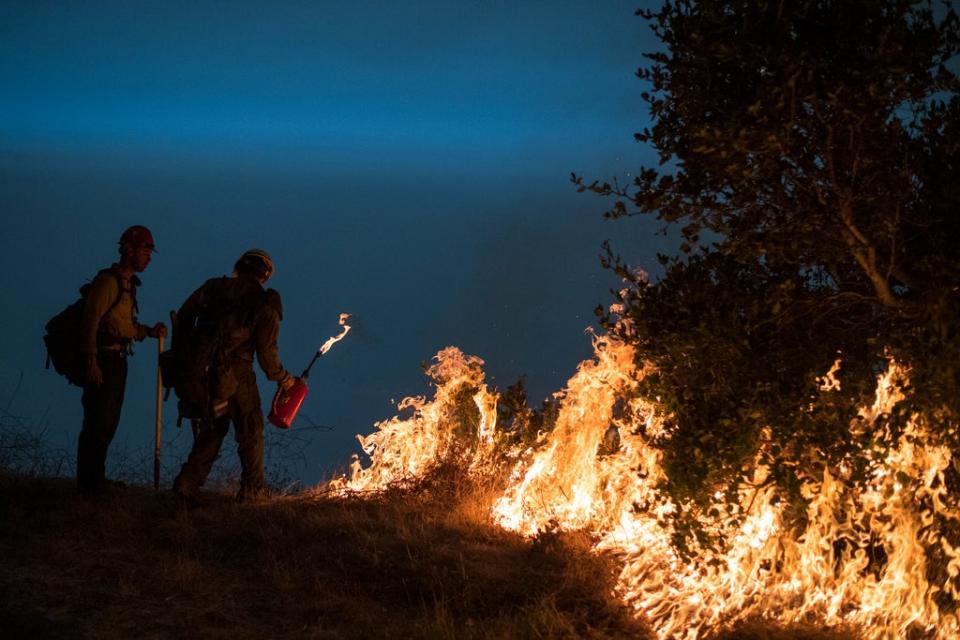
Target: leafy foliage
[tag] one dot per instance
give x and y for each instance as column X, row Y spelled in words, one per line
column 809, row 157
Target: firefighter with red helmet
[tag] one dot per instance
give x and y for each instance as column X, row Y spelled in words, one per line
column 108, row 328
column 253, row 316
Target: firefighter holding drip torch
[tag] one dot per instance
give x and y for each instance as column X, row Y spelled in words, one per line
column 222, row 326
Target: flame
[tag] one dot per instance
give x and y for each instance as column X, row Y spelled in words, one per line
column 337, row 338
column 826, row 572
column 404, row 448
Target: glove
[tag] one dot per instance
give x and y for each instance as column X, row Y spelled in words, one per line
column 287, row 382
column 156, row 331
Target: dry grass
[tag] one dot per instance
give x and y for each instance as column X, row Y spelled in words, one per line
column 409, row 563
column 417, row 561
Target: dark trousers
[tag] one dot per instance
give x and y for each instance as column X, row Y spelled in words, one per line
column 101, row 415
column 244, row 412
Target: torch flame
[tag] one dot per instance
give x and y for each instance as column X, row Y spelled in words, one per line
column 337, row 338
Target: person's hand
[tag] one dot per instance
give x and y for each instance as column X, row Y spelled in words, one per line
column 93, row 374
column 158, row 330
column 287, row 382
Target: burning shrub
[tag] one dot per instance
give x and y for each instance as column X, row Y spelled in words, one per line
column 804, row 344
column 808, row 162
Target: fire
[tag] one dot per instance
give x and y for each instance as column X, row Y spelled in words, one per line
column 326, row 346
column 875, row 558
column 404, row 448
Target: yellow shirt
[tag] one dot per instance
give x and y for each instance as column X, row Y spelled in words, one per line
column 109, row 322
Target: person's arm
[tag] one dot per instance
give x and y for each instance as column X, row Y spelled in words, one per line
column 146, row 331
column 266, row 333
column 142, row 330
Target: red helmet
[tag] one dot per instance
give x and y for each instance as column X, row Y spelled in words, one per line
column 137, row 236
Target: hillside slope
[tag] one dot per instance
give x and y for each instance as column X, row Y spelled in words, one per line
column 412, row 563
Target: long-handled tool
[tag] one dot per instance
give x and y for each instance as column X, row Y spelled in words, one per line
column 158, row 426
column 286, row 402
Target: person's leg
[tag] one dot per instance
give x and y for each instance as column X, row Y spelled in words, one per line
column 248, row 427
column 207, row 440
column 101, row 416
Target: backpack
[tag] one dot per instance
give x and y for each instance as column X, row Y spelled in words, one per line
column 199, row 366
column 63, row 337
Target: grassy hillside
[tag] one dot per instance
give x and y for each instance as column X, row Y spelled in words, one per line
column 413, row 563
column 416, row 562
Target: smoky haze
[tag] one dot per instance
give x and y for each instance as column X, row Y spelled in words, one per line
column 411, row 170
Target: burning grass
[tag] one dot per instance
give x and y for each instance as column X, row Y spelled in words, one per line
column 876, row 558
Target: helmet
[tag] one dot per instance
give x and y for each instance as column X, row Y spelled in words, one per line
column 256, row 260
column 137, row 236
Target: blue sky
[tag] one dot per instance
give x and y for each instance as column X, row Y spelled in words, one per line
column 405, row 162
column 471, row 76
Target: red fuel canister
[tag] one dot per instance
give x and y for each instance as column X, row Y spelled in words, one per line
column 287, row 403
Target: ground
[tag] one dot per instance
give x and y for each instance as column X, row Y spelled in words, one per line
column 397, row 565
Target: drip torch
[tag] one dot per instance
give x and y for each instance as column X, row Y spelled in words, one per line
column 286, row 402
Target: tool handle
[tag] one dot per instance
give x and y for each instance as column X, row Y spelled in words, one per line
column 158, row 424
column 306, row 372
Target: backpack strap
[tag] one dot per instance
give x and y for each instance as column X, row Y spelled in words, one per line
column 85, row 289
column 132, row 289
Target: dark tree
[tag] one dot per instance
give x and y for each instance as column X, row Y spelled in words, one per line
column 809, row 160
